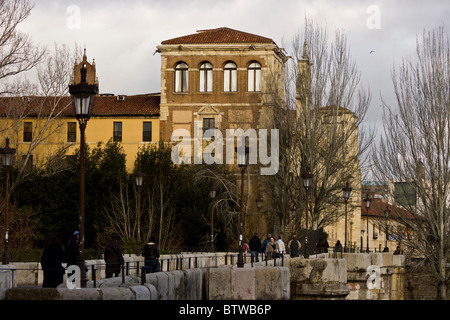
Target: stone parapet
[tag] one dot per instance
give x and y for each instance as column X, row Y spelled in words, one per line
column 8, row 276
column 318, row 279
column 257, row 283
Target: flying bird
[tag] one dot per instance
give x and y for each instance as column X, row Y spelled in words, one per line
column 372, row 51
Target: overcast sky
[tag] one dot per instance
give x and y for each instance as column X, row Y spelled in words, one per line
column 122, row 35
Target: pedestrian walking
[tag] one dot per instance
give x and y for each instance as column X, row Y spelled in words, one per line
column 71, row 251
column 271, row 249
column 338, row 246
column 51, row 262
column 281, row 246
column 113, row 257
column 294, row 247
column 151, row 256
column 255, row 247
column 265, row 242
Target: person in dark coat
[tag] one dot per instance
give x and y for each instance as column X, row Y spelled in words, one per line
column 338, row 246
column 255, row 247
column 51, row 262
column 265, row 242
column 151, row 256
column 71, row 252
column 294, row 247
column 113, row 257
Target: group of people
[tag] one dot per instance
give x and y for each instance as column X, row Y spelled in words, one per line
column 272, row 249
column 55, row 254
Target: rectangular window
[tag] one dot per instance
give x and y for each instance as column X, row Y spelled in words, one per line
column 147, row 133
column 208, row 123
column 71, row 131
column 27, row 132
column 117, row 132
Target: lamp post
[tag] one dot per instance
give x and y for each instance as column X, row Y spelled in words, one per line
column 83, row 99
column 259, row 203
column 7, row 159
column 347, row 191
column 367, row 205
column 243, row 164
column 212, row 195
column 307, row 182
column 387, row 212
column 139, row 179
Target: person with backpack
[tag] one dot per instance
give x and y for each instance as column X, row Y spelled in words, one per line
column 151, row 256
column 294, row 247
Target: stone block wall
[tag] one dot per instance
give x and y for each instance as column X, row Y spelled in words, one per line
column 318, row 279
column 257, row 283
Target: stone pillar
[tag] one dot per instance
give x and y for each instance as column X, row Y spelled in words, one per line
column 318, row 279
column 8, row 276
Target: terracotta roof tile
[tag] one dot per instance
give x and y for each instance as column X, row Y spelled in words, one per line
column 217, row 36
column 377, row 208
column 144, row 104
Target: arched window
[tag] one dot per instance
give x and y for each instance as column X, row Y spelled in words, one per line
column 230, row 77
column 206, row 77
column 181, row 77
column 254, row 77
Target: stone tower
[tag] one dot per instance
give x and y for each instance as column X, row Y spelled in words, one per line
column 91, row 76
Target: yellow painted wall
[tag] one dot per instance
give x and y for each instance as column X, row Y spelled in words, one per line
column 99, row 129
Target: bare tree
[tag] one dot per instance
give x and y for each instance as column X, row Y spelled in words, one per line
column 415, row 148
column 322, row 115
column 120, row 216
column 227, row 205
column 17, row 52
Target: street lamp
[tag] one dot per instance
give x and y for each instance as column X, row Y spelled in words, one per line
column 259, row 202
column 139, row 179
column 212, row 195
column 83, row 99
column 243, row 164
column 367, row 205
column 387, row 212
column 7, row 159
column 307, row 182
column 347, row 191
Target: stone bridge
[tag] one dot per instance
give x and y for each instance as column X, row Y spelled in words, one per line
column 211, row 276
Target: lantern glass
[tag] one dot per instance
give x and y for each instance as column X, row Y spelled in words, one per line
column 212, row 193
column 367, row 202
column 259, row 202
column 83, row 105
column 139, row 178
column 242, row 158
column 307, row 180
column 7, row 154
column 347, row 191
column 7, row 159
